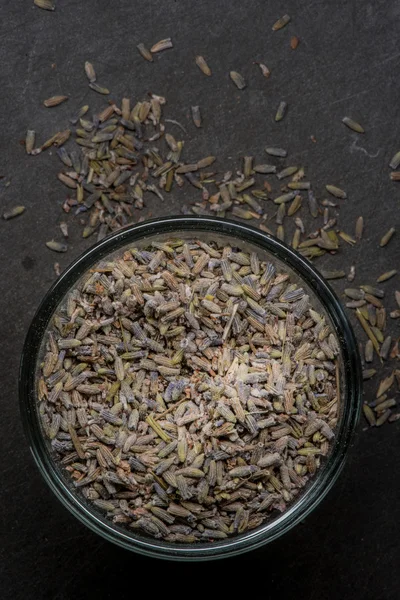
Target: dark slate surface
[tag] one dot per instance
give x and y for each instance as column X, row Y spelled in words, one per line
column 347, row 64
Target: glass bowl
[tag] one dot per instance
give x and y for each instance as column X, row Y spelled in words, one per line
column 321, row 297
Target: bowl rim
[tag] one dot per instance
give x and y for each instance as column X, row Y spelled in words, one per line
column 315, row 492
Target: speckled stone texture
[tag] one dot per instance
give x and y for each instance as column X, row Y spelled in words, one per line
column 347, row 63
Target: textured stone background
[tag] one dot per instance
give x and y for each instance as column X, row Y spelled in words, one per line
column 347, row 63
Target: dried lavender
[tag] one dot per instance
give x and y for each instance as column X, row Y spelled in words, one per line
column 189, row 389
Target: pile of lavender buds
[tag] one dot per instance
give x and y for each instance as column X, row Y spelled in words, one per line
column 189, row 389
